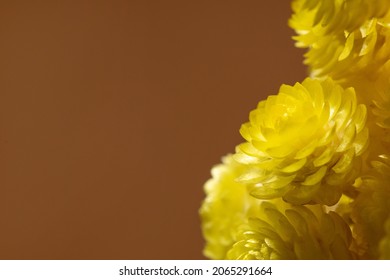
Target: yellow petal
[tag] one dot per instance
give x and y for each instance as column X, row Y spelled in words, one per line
column 294, row 167
column 347, row 47
column 361, row 142
column 316, row 177
column 324, row 158
column 306, row 151
column 270, row 191
column 347, row 138
column 344, row 163
column 360, row 117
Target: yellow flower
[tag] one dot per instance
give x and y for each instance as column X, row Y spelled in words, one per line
column 304, row 144
column 374, row 92
column 226, row 206
column 371, row 208
column 345, row 38
column 282, row 231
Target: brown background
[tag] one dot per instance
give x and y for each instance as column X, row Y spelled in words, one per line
column 113, row 112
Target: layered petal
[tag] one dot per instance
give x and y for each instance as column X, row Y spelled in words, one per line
column 344, row 38
column 283, row 231
column 225, row 207
column 304, row 144
column 371, row 210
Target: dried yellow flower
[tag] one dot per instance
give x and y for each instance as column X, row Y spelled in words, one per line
column 371, row 208
column 304, row 144
column 345, row 38
column 282, row 231
column 226, row 206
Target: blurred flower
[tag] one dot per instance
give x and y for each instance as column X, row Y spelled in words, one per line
column 382, row 110
column 384, row 246
column 304, row 144
column 345, row 38
column 371, row 208
column 282, row 231
column 226, row 207
column 382, row 104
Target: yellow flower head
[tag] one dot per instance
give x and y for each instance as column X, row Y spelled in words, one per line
column 226, row 206
column 345, row 38
column 304, row 144
column 293, row 232
column 371, row 208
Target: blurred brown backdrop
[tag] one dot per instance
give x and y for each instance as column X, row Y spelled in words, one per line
column 113, row 112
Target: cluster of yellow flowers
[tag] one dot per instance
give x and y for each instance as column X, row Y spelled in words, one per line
column 312, row 178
